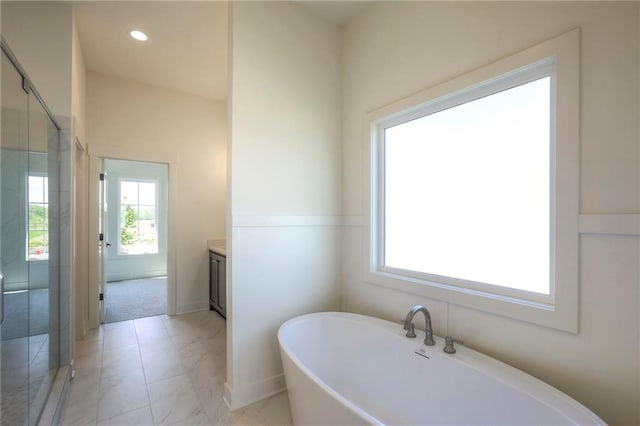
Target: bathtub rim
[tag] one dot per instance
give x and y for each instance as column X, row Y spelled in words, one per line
column 572, row 410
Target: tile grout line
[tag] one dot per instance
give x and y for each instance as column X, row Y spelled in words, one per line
column 102, row 369
column 175, row 348
column 146, row 385
column 188, row 376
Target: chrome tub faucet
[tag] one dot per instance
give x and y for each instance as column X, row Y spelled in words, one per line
column 409, row 327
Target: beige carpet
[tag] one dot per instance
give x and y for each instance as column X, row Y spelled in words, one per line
column 126, row 300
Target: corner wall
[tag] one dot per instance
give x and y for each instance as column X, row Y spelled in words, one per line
column 396, row 49
column 285, row 185
column 133, row 121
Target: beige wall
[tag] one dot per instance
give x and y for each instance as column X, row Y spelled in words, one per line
column 396, row 49
column 285, row 125
column 285, row 185
column 129, row 120
column 78, row 86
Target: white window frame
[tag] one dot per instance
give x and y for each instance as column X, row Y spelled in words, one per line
column 558, row 58
column 119, row 226
column 43, row 258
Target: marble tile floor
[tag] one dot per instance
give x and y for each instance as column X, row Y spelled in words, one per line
column 25, row 372
column 160, row 371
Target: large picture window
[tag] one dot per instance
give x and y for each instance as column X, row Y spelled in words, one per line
column 138, row 218
column 474, row 188
column 467, row 189
column 38, row 218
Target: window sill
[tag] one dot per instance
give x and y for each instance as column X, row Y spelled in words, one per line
column 542, row 314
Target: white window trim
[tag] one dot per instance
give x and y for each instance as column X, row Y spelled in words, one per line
column 560, row 309
column 532, row 72
column 119, row 222
column 43, row 258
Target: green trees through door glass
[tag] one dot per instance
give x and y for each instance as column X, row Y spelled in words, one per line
column 138, row 218
column 38, row 231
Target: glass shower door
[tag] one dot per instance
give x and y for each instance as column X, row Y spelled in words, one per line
column 14, row 166
column 29, row 331
column 41, row 254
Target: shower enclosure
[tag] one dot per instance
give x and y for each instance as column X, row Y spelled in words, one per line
column 29, row 247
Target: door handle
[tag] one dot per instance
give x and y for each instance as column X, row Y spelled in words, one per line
column 1, row 298
column 108, row 244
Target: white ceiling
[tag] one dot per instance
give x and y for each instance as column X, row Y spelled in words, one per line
column 187, row 48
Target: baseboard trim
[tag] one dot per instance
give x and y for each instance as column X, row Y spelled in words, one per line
column 192, row 307
column 254, row 392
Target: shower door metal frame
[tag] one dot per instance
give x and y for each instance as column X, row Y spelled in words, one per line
column 25, row 77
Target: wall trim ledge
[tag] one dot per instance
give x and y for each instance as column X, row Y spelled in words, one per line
column 606, row 224
column 610, row 224
column 245, row 221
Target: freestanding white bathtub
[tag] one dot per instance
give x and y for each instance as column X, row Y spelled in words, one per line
column 347, row 369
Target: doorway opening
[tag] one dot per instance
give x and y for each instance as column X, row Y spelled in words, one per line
column 135, row 220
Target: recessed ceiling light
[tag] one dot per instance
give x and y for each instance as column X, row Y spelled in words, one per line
column 138, row 35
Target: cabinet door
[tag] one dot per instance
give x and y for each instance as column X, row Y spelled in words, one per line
column 222, row 286
column 213, row 280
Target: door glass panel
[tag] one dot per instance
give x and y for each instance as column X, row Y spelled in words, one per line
column 28, row 251
column 14, row 160
column 43, row 288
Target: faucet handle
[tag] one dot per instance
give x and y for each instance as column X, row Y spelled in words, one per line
column 448, row 344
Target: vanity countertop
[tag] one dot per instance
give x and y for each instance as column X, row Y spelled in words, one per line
column 217, row 246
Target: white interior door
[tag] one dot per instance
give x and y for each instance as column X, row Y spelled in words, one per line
column 102, row 243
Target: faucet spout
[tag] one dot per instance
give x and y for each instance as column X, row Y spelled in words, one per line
column 408, row 324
